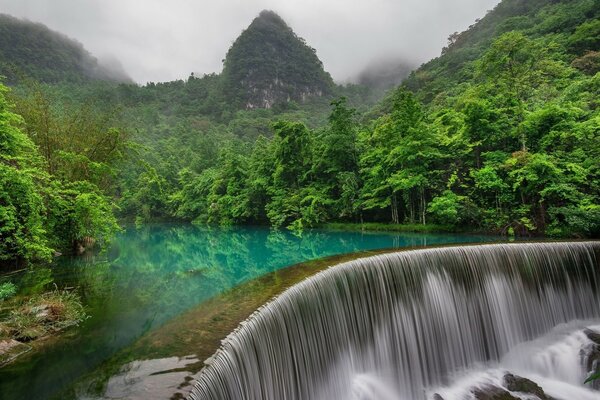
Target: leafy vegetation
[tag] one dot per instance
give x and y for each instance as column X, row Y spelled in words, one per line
column 7, row 290
column 44, row 205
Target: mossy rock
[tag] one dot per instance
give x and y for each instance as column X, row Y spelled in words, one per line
column 490, row 392
column 516, row 383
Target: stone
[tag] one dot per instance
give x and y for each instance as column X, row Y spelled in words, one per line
column 10, row 349
column 590, row 358
column 516, row 383
column 592, row 335
column 490, row 392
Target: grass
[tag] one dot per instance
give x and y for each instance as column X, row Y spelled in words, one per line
column 42, row 315
column 387, row 227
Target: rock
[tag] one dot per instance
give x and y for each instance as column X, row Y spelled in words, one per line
column 592, row 335
column 490, row 392
column 436, row 396
column 516, row 383
column 11, row 349
column 590, row 356
column 590, row 359
column 41, row 312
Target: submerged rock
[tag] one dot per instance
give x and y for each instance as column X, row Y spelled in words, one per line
column 516, row 383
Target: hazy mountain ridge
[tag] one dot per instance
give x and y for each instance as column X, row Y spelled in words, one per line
column 32, row 50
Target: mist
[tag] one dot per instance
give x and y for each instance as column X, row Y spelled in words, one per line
column 159, row 41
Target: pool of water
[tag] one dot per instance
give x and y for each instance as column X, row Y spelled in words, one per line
column 153, row 274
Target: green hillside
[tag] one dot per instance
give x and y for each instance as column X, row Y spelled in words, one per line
column 571, row 28
column 32, row 51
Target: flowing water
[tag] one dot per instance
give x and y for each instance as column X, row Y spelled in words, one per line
column 153, row 274
column 424, row 324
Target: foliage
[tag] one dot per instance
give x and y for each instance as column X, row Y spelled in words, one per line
column 7, row 290
column 592, row 377
column 45, row 205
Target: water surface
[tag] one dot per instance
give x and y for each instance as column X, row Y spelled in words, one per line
column 153, row 274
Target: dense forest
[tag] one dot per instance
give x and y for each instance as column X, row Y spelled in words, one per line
column 501, row 133
column 30, row 50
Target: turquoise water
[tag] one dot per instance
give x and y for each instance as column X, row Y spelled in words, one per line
column 155, row 273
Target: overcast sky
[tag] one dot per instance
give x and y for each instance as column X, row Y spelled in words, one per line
column 161, row 40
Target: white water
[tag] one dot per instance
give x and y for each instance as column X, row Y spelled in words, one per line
column 404, row 326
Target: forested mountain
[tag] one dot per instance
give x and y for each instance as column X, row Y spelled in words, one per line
column 571, row 27
column 268, row 63
column 501, row 133
column 31, row 50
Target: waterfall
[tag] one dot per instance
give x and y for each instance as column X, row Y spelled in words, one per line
column 420, row 324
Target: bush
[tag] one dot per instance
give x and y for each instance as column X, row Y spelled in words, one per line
column 451, row 209
column 7, row 290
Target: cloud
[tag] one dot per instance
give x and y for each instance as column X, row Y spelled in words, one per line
column 158, row 40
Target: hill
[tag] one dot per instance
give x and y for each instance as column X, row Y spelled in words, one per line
column 32, row 50
column 572, row 26
column 269, row 63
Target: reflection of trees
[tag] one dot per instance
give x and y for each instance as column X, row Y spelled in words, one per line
column 152, row 274
column 161, row 270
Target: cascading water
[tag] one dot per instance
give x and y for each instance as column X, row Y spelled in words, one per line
column 424, row 324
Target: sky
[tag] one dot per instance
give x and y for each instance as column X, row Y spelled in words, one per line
column 163, row 40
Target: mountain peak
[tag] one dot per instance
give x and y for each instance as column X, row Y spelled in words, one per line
column 268, row 63
column 270, row 16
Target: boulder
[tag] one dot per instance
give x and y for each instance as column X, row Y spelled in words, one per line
column 592, row 335
column 516, row 383
column 11, row 349
column 491, row 392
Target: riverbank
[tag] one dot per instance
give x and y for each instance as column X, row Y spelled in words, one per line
column 28, row 320
column 388, row 227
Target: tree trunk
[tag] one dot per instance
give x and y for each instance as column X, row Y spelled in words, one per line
column 423, row 205
column 394, row 209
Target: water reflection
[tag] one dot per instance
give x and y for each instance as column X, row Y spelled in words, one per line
column 153, row 274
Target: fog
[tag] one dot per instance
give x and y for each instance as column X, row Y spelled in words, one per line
column 157, row 40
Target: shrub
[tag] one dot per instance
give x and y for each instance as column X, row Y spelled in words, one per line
column 7, row 290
